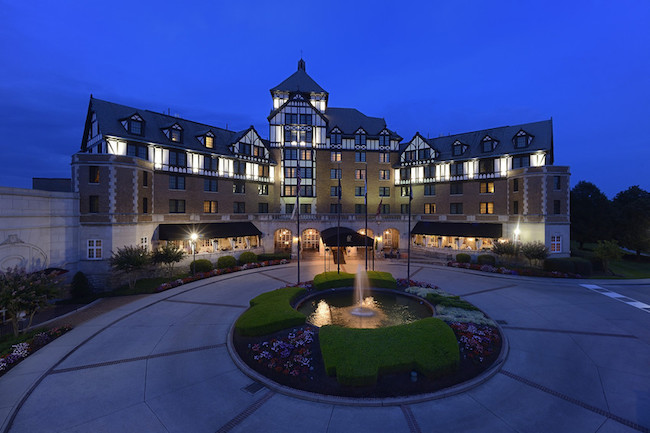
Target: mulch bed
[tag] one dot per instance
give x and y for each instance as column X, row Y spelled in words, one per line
column 314, row 379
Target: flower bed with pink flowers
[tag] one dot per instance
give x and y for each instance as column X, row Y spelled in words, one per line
column 22, row 350
column 527, row 272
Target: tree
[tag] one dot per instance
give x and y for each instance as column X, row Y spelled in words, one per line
column 168, row 255
column 130, row 260
column 534, row 251
column 590, row 214
column 608, row 251
column 25, row 292
column 507, row 248
column 632, row 228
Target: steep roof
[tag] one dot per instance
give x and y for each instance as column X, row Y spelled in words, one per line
column 299, row 81
column 109, row 117
column 349, row 120
column 542, row 133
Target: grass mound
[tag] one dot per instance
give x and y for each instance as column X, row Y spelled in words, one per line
column 357, row 356
column 331, row 280
column 271, row 312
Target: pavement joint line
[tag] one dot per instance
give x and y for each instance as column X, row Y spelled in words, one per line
column 567, row 331
column 421, row 268
column 617, row 296
column 410, row 419
column 213, row 304
column 275, row 278
column 137, row 358
column 489, row 290
column 582, row 404
column 241, row 416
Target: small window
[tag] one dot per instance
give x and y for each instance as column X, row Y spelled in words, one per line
column 262, row 208
column 456, row 208
column 290, row 190
column 335, row 173
column 557, row 183
column 291, row 154
column 405, row 191
column 486, row 207
column 430, row 189
column 487, row 188
column 145, row 205
column 239, row 167
column 239, row 187
column 263, row 171
column 305, row 172
column 360, row 173
column 335, row 207
column 305, row 155
column 405, row 173
column 430, row 171
column 404, row 208
column 334, row 191
column 384, row 174
column 305, row 119
column 335, row 156
column 210, row 185
column 245, row 149
column 429, row 208
column 209, row 141
column 335, row 140
column 290, row 172
column 557, row 208
column 455, row 188
column 176, row 182
column 359, row 208
column 409, row 155
column 384, row 157
column 262, row 189
column 457, row 169
column 135, row 125
column 210, row 206
column 93, row 204
column 93, row 174
column 515, row 207
column 290, row 118
column 488, row 144
column 520, row 161
column 177, row 158
column 458, row 148
column 210, row 163
column 486, row 166
column 145, row 178
column 94, row 249
column 139, row 151
column 176, row 206
column 556, row 244
column 384, row 209
column 360, row 139
column 515, row 185
column 305, row 208
column 359, row 156
column 358, row 191
column 239, row 207
column 384, row 191
column 522, row 140
column 175, row 134
column 424, row 153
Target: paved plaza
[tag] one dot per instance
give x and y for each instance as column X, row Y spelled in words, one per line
column 579, row 361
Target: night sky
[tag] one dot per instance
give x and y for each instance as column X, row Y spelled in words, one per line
column 434, row 67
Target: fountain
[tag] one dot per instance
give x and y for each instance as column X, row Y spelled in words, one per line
column 361, row 284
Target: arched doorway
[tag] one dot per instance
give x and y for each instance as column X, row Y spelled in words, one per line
column 310, row 240
column 390, row 239
column 282, row 241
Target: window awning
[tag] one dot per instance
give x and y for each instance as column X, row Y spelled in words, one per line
column 348, row 238
column 476, row 230
column 174, row 232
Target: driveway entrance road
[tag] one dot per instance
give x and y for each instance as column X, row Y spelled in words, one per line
column 579, row 362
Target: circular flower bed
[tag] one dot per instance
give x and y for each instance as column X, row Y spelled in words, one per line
column 292, row 357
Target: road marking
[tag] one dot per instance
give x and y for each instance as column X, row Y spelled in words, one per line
column 629, row 301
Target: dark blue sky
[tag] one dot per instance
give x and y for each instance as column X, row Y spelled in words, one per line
column 433, row 67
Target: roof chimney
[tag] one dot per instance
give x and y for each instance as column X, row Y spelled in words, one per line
column 301, row 65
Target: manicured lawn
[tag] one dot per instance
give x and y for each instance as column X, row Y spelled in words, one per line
column 330, row 280
column 620, row 268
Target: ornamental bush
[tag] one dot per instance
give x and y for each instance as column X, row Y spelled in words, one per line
column 331, row 280
column 80, row 287
column 226, row 262
column 486, row 259
column 271, row 312
column 201, row 265
column 534, row 251
column 463, row 258
column 247, row 257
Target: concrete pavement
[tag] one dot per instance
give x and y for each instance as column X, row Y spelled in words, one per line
column 578, row 362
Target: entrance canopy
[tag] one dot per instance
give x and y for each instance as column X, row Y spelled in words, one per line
column 476, row 230
column 348, row 238
column 172, row 232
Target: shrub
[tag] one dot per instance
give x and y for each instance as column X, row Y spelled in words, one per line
column 582, row 266
column 330, row 280
column 273, row 256
column 80, row 287
column 534, row 251
column 271, row 312
column 507, row 248
column 131, row 260
column 358, row 356
column 608, row 251
column 463, row 258
column 247, row 257
column 564, row 265
column 226, row 262
column 449, row 301
column 201, row 265
column 486, row 259
column 168, row 255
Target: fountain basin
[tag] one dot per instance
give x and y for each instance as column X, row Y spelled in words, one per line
column 379, row 308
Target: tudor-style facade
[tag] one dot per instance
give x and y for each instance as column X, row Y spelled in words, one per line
column 144, row 178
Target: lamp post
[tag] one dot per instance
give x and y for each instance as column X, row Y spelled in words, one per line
column 193, row 238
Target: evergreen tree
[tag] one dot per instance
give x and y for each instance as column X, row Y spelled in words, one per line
column 632, row 228
column 590, row 214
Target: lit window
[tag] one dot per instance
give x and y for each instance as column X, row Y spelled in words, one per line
column 305, row 155
column 263, row 170
column 210, row 206
column 360, row 173
column 209, row 141
column 487, row 207
column 487, row 187
column 384, row 174
column 262, row 189
column 429, row 208
column 405, row 190
column 335, row 156
column 175, row 134
column 556, row 244
column 384, row 157
column 93, row 174
column 94, row 249
column 239, row 187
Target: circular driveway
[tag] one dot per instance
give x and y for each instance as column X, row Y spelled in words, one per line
column 579, row 361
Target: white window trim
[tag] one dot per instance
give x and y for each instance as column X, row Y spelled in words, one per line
column 91, row 245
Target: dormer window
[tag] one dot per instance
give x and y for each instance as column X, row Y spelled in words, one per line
column 360, row 138
column 458, row 148
column 522, row 140
column 335, row 138
column 174, row 133
column 209, row 141
column 134, row 125
column 488, row 144
column 384, row 140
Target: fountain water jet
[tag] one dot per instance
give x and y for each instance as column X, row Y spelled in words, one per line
column 361, row 284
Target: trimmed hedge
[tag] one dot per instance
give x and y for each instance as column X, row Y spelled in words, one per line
column 271, row 312
column 358, row 356
column 463, row 258
column 486, row 259
column 330, row 280
column 273, row 256
column 225, row 262
column 247, row 257
column 573, row 265
column 450, row 301
column 201, row 265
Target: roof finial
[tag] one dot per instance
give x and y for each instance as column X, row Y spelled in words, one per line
column 301, row 64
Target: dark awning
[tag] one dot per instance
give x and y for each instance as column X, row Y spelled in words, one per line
column 477, row 230
column 348, row 238
column 169, row 232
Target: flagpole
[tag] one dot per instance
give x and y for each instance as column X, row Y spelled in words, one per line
column 408, row 235
column 298, row 219
column 365, row 239
column 338, row 228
